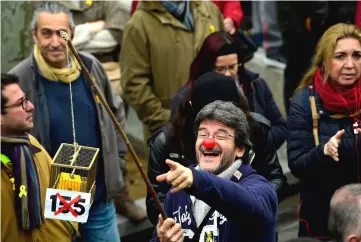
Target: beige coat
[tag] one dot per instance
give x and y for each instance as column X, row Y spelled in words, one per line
column 156, row 55
column 51, row 230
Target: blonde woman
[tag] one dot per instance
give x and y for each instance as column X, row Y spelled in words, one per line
column 324, row 145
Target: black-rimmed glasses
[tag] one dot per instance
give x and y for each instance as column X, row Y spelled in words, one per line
column 219, row 135
column 24, row 102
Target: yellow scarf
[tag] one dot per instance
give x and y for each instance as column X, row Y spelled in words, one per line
column 66, row 75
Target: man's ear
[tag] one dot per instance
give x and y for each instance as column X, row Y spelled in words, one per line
column 353, row 238
column 240, row 151
column 33, row 33
column 72, row 33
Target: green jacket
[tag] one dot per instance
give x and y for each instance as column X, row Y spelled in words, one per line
column 156, row 55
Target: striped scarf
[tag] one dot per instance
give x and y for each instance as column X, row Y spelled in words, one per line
column 27, row 188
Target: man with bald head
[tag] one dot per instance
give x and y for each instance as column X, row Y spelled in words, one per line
column 344, row 220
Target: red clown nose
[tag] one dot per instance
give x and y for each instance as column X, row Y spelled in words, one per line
column 209, row 143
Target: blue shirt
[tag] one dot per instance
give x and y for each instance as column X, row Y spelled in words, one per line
column 86, row 120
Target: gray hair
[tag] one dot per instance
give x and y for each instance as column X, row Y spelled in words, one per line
column 345, row 212
column 229, row 114
column 53, row 8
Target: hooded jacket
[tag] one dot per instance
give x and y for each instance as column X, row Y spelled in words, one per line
column 156, row 55
column 245, row 207
column 266, row 164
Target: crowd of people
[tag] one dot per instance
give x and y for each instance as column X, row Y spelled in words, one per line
column 211, row 126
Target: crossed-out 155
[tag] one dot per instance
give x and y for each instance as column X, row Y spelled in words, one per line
column 78, row 207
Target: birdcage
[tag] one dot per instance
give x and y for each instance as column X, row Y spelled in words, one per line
column 74, row 169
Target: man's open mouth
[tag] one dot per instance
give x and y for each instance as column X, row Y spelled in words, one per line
column 210, row 152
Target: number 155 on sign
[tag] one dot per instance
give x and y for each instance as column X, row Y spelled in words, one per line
column 67, row 205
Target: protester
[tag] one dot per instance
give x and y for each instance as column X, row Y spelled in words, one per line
column 324, row 123
column 222, row 198
column 176, row 140
column 221, row 53
column 98, row 30
column 46, row 76
column 22, row 209
column 231, row 10
column 160, row 42
column 344, row 220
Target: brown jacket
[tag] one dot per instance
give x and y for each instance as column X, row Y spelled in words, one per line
column 156, row 55
column 51, row 230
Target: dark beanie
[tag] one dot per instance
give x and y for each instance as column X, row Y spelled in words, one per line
column 227, row 49
column 213, row 86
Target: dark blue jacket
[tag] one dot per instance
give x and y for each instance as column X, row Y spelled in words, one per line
column 246, row 206
column 260, row 100
column 319, row 175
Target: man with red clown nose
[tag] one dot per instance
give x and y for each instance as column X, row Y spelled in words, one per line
column 222, row 198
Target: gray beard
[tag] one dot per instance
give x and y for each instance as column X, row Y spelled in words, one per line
column 225, row 163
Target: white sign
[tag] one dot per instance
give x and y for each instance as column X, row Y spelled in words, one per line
column 67, row 205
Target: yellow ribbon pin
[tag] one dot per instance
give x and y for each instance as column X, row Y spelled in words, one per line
column 13, row 182
column 212, row 28
column 89, row 2
column 23, row 191
column 97, row 98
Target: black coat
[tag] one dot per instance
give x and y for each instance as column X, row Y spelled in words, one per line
column 265, row 162
column 260, row 100
column 292, row 15
column 320, row 176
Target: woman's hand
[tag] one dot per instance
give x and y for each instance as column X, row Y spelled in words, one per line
column 331, row 147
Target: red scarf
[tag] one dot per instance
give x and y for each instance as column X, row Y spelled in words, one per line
column 338, row 102
column 358, row 14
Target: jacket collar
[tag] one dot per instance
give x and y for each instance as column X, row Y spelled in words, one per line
column 34, row 148
column 158, row 11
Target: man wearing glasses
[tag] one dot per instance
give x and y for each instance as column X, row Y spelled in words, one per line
column 221, row 199
column 48, row 75
column 25, row 173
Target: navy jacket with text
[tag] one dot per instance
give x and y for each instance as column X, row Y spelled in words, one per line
column 245, row 207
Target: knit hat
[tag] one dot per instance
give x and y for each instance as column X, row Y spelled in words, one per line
column 213, row 86
column 227, row 49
